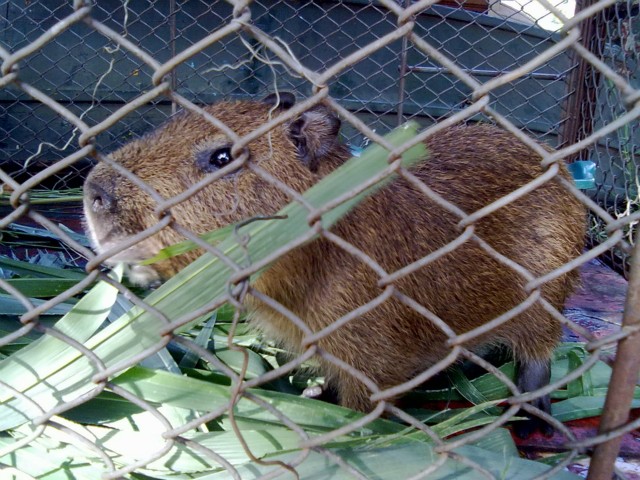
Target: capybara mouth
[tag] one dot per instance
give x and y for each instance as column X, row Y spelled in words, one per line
column 143, row 275
column 140, row 275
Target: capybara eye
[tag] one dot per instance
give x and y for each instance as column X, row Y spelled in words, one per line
column 220, row 157
column 213, row 160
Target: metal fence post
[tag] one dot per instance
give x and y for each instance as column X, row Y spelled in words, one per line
column 623, row 380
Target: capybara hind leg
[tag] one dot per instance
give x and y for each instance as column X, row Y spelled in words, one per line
column 356, row 395
column 353, row 394
column 350, row 392
column 533, row 375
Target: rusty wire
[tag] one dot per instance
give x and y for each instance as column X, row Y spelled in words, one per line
column 240, row 24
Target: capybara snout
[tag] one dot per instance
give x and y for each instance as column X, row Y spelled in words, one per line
column 468, row 165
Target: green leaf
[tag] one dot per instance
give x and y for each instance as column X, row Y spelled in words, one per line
column 60, row 462
column 400, row 459
column 163, row 388
column 403, row 460
column 451, row 425
column 127, row 447
column 583, row 384
column 41, row 287
column 581, row 407
column 9, row 305
column 468, row 390
column 27, row 369
column 488, row 385
column 191, row 358
column 183, row 247
column 499, row 441
column 234, row 359
column 44, row 233
column 104, row 409
column 30, row 269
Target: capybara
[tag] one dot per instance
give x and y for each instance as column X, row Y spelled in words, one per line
column 469, row 165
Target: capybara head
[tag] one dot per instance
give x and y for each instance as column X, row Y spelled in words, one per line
column 183, row 152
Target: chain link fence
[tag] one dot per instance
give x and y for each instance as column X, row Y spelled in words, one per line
column 599, row 102
column 80, row 80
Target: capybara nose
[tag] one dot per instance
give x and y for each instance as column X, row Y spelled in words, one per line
column 101, row 198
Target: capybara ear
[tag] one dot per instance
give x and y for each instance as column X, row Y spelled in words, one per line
column 282, row 100
column 315, row 134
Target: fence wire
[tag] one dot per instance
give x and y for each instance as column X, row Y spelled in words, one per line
column 613, row 41
column 80, row 80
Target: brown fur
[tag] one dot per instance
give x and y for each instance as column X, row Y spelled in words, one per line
column 469, row 165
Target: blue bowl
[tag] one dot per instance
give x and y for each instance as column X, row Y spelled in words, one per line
column 583, row 172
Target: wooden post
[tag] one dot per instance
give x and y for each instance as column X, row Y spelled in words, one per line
column 582, row 84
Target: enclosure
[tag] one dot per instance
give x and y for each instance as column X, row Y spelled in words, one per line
column 103, row 378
